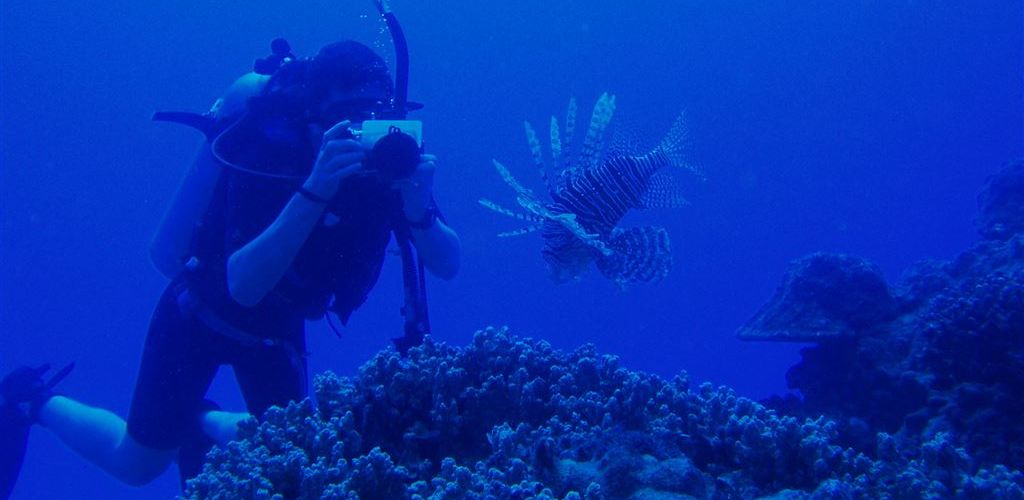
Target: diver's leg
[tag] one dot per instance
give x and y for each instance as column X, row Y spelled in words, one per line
column 273, row 376
column 101, row 437
column 268, row 377
column 222, row 426
column 180, row 359
column 178, row 364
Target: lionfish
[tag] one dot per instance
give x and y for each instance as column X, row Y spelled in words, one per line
column 590, row 194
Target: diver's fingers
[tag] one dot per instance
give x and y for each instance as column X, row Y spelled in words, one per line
column 339, row 146
column 344, row 161
column 41, row 369
column 424, row 172
column 426, row 168
column 345, row 172
column 428, row 158
column 338, row 131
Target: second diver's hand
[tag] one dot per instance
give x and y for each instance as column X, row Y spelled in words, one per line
column 255, row 269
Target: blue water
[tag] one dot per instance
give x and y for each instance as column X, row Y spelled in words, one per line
column 859, row 127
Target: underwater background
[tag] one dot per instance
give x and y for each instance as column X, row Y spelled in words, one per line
column 863, row 127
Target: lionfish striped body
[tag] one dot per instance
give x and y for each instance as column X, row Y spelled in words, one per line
column 590, row 196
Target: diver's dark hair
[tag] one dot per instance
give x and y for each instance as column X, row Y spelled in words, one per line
column 350, row 66
column 346, row 65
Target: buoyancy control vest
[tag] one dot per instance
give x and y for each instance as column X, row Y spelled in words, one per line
column 334, row 269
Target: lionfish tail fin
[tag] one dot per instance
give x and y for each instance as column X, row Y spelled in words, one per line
column 663, row 191
column 675, row 145
column 639, row 255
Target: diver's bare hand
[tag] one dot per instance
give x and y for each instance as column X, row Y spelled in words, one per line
column 340, row 156
column 417, row 190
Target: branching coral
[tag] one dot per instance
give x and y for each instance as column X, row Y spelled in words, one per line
column 513, row 418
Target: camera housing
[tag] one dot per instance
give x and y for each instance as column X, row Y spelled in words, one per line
column 394, row 147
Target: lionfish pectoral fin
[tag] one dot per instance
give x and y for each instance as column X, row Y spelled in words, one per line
column 568, row 221
column 663, row 191
column 640, row 255
column 528, row 217
column 520, row 231
column 524, row 196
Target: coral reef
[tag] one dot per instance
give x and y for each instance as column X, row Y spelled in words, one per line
column 939, row 356
column 909, row 392
column 513, row 418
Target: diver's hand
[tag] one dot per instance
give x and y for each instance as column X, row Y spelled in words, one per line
column 417, row 190
column 340, row 157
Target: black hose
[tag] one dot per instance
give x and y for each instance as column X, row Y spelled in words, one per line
column 401, row 64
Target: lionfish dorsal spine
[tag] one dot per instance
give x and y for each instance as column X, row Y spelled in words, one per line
column 556, row 148
column 570, row 131
column 591, row 151
column 536, row 153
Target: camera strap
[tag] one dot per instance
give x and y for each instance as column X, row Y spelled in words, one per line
column 417, row 318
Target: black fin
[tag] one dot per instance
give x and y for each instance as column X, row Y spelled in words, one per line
column 14, row 426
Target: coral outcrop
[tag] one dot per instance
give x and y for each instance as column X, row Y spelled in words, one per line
column 939, row 354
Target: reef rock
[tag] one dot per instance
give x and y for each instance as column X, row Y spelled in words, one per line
column 1002, row 204
column 824, row 296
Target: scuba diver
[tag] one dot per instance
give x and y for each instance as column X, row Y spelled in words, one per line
column 284, row 215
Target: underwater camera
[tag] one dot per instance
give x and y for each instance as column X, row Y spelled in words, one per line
column 394, row 147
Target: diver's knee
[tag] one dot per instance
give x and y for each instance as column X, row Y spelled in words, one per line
column 140, row 464
column 222, row 426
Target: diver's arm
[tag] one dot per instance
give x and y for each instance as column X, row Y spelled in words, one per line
column 438, row 244
column 255, row 269
column 439, row 248
column 170, row 246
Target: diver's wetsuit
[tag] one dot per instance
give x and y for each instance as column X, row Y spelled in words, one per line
column 198, row 327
